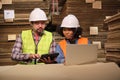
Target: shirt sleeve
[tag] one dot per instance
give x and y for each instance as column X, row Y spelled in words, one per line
column 60, row 58
column 52, row 47
column 17, row 51
column 89, row 42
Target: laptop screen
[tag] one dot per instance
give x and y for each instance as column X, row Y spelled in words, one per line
column 81, row 54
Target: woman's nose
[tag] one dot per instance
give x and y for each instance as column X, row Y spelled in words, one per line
column 67, row 31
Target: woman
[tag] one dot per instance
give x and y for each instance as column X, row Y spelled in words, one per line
column 71, row 30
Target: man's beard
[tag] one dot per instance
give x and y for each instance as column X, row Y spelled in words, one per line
column 39, row 32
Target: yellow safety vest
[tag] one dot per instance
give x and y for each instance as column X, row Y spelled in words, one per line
column 29, row 45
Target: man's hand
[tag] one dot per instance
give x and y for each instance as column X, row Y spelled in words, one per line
column 34, row 56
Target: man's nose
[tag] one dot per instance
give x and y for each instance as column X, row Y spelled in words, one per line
column 40, row 25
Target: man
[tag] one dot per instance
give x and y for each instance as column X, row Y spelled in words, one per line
column 31, row 44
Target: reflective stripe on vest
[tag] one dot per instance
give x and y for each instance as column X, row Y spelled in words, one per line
column 63, row 44
column 29, row 44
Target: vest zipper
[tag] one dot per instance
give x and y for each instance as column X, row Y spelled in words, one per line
column 35, row 61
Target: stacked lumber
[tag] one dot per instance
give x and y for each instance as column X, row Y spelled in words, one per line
column 113, row 39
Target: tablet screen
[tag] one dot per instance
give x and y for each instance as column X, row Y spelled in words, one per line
column 52, row 56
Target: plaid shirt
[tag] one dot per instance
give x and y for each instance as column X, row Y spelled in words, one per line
column 17, row 50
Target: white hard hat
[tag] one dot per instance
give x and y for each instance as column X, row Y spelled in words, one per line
column 70, row 21
column 37, row 15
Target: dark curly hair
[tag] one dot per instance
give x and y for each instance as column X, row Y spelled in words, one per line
column 76, row 35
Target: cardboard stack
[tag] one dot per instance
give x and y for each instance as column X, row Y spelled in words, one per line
column 113, row 38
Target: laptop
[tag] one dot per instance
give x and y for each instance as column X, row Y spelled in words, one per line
column 81, row 54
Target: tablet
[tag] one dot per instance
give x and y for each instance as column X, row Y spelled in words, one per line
column 52, row 56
